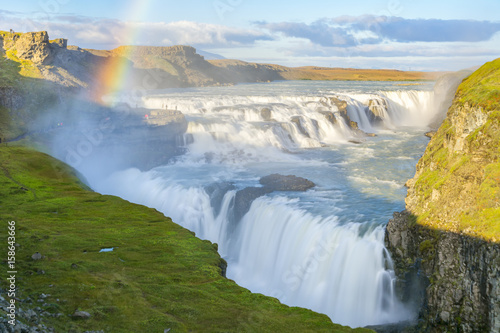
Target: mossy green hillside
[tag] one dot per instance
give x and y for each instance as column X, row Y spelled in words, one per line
column 24, row 67
column 482, row 88
column 10, row 127
column 457, row 185
column 34, row 97
column 9, row 72
column 10, row 80
column 158, row 276
column 8, row 34
column 27, row 68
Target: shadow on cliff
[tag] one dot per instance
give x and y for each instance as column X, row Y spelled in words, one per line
column 451, row 279
column 23, row 100
column 68, row 124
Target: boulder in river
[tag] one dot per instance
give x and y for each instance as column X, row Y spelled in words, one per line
column 278, row 182
column 274, row 182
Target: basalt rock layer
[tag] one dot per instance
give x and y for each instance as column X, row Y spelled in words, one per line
column 446, row 243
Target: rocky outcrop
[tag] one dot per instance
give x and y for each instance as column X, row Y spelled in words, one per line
column 55, row 61
column 60, row 42
column 330, row 116
column 297, row 120
column 277, row 182
column 446, row 243
column 451, row 279
column 34, row 46
column 32, row 314
column 336, row 105
column 265, row 113
column 377, row 109
column 243, row 200
column 235, row 71
column 216, row 192
column 175, row 66
column 340, row 107
column 149, row 67
column 274, row 182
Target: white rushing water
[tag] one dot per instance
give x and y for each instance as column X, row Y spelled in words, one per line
column 324, row 248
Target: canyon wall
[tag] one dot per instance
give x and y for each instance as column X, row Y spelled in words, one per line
column 446, row 244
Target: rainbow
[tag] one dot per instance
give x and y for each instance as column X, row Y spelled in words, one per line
column 114, row 72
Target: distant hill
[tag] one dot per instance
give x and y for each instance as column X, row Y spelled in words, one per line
column 149, row 67
column 209, row 55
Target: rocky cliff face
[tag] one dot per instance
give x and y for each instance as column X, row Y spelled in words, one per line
column 148, row 67
column 175, row 66
column 241, row 71
column 54, row 61
column 34, row 46
column 447, row 241
column 182, row 66
column 452, row 279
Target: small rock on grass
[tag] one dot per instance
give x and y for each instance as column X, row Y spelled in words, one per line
column 81, row 315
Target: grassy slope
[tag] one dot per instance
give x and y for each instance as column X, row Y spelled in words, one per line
column 9, row 78
column 159, row 275
column 460, row 191
column 482, row 88
column 9, row 72
column 35, row 96
column 28, row 69
column 24, row 67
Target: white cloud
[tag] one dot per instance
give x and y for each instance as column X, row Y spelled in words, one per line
column 364, row 41
column 106, row 33
column 370, row 29
column 193, row 33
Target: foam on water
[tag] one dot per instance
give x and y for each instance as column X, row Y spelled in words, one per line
column 322, row 249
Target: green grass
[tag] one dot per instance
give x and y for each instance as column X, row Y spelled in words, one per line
column 10, row 127
column 27, row 68
column 482, row 88
column 7, row 34
column 486, row 219
column 9, row 79
column 159, row 275
column 9, row 72
column 11, row 67
column 35, row 97
column 459, row 191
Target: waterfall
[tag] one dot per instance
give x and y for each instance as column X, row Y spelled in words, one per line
column 304, row 258
column 322, row 249
column 293, row 122
column 410, row 108
column 340, row 269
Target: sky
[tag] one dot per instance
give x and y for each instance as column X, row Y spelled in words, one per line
column 400, row 34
